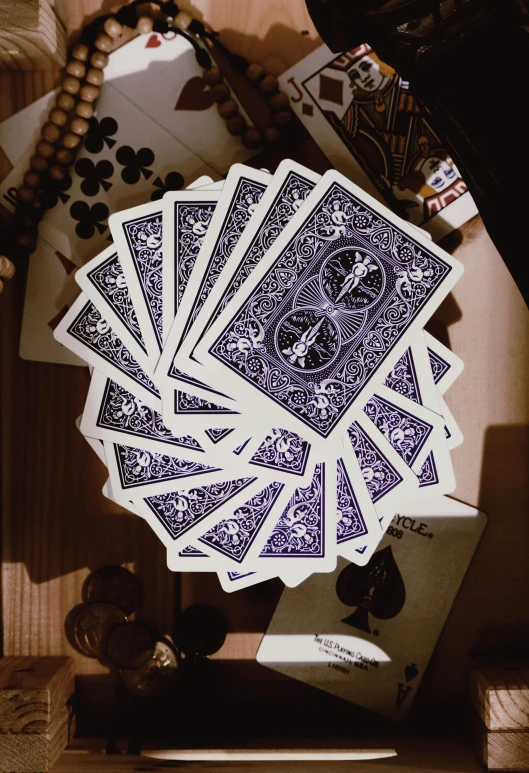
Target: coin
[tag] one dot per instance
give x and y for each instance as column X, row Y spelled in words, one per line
column 114, row 585
column 200, row 630
column 156, row 675
column 130, row 645
column 92, row 627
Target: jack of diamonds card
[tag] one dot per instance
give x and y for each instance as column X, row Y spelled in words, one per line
column 366, row 633
column 367, row 122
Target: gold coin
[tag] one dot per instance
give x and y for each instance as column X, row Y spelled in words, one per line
column 114, row 585
column 130, row 645
column 93, row 625
column 156, row 675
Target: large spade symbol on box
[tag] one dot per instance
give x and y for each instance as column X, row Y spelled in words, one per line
column 376, row 588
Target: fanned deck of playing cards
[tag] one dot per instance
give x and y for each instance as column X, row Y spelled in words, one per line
column 263, row 392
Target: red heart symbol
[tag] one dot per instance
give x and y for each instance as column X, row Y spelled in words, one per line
column 194, row 95
column 153, row 42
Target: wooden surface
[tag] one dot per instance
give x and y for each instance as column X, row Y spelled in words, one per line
column 36, row 719
column 31, row 36
column 426, row 756
column 500, row 693
column 57, row 526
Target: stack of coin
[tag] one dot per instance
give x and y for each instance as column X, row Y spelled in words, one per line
column 146, row 664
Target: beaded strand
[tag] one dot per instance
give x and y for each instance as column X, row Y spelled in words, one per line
column 68, row 120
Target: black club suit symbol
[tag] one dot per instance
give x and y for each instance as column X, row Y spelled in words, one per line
column 90, row 218
column 95, row 176
column 173, row 182
column 55, row 191
column 100, row 134
column 135, row 163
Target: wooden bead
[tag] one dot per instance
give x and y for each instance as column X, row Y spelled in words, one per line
column 84, row 109
column 75, row 68
column 38, row 163
column 279, row 101
column 271, row 134
column 255, row 73
column 282, row 118
column 80, row 51
column 1, row 287
column 26, row 195
column 94, row 76
column 213, row 76
column 79, row 126
column 251, row 138
column 50, row 132
column 99, row 60
column 32, row 179
column 236, row 125
column 269, row 84
column 7, row 269
column 88, row 93
column 220, row 93
column 58, row 116
column 64, row 156
column 144, row 25
column 104, row 43
column 57, row 172
column 70, row 140
column 228, row 109
column 45, row 148
column 65, row 101
column 112, row 27
column 183, row 20
column 71, row 84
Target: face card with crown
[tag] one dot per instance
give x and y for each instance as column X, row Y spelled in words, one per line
column 366, row 121
column 126, row 159
column 366, row 634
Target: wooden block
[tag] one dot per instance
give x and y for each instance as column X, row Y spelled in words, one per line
column 32, row 692
column 31, row 36
column 500, row 749
column 37, row 752
column 499, row 690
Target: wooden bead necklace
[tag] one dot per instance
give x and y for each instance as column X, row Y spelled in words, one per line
column 68, row 120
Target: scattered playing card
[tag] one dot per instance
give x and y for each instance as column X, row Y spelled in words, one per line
column 159, row 74
column 343, row 272
column 263, row 393
column 366, row 634
column 126, row 159
column 50, row 291
column 366, row 121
